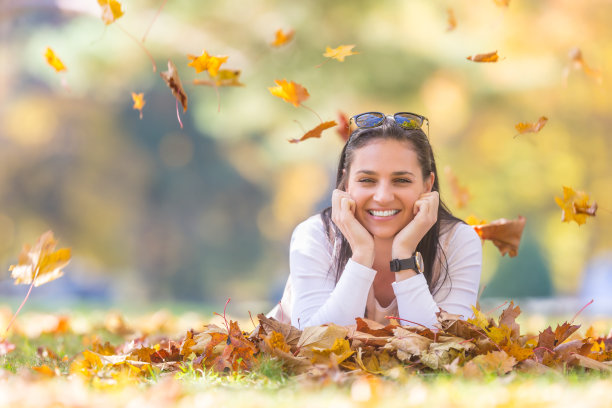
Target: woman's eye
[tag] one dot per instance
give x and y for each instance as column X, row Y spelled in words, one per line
column 366, row 180
column 403, row 180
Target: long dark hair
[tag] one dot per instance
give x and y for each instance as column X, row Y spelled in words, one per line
column 429, row 246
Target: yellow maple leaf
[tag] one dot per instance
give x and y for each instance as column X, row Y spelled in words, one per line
column 40, row 264
column 54, row 61
column 111, row 10
column 488, row 57
column 206, row 62
column 340, row 52
column 139, row 102
column 316, row 132
column 499, row 334
column 519, row 353
column 575, row 206
column 282, row 38
column 531, row 127
column 473, row 220
column 291, row 92
column 225, row 77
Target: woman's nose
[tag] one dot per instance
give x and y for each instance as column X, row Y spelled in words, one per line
column 383, row 193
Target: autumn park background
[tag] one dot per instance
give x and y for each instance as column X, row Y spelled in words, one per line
column 186, row 214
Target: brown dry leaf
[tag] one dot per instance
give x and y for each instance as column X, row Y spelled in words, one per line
column 322, row 337
column 575, row 206
column 577, row 62
column 488, row 57
column 498, row 362
column 111, row 10
column 452, row 21
column 461, row 194
column 444, row 352
column 45, row 370
column 407, row 344
column 207, row 62
column 339, row 53
column 54, row 61
column 316, row 132
column 225, row 77
column 40, row 263
column 139, row 102
column 290, row 333
column 505, row 234
column 282, row 38
column 334, row 355
column 592, row 364
column 174, row 83
column 291, row 92
column 373, row 327
column 535, row 127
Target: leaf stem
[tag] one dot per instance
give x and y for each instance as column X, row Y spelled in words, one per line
column 22, row 303
column 580, row 311
column 141, row 45
column 144, row 37
column 177, row 114
column 307, row 108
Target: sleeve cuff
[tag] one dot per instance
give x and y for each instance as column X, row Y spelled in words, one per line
column 409, row 285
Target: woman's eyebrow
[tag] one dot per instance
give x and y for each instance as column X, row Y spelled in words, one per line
column 395, row 173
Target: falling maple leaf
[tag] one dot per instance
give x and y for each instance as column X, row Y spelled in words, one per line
column 502, row 3
column 207, row 62
column 282, row 38
column 174, row 83
column 291, row 92
column 139, row 102
column 340, row 52
column 54, row 61
column 505, row 234
column 473, row 220
column 111, row 10
column 578, row 62
column 224, row 77
column 40, row 264
column 575, row 206
column 523, row 128
column 343, row 127
column 461, row 194
column 316, row 132
column 488, row 57
column 452, row 21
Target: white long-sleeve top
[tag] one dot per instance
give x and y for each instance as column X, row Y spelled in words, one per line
column 313, row 297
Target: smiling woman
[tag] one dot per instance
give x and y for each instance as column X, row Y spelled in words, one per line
column 387, row 245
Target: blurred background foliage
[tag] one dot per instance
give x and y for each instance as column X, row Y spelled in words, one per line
column 159, row 213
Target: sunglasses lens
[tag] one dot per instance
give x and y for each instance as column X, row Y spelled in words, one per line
column 367, row 120
column 408, row 120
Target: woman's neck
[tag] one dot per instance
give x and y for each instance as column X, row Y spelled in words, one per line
column 382, row 251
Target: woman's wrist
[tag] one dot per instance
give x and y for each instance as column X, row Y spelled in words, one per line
column 365, row 258
column 401, row 252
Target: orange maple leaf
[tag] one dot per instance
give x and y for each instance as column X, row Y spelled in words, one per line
column 575, row 206
column 289, row 92
column 488, row 57
column 207, row 62
column 40, row 264
column 473, row 220
column 316, row 132
column 282, row 38
column 340, row 52
column 505, row 234
column 578, row 62
column 522, row 128
column 174, row 83
column 452, row 21
column 111, row 10
column 343, row 127
column 54, row 61
column 139, row 102
column 460, row 193
column 225, row 77
column 502, row 3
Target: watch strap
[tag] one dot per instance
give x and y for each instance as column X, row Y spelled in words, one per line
column 403, row 264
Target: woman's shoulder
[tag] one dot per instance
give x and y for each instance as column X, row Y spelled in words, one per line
column 309, row 233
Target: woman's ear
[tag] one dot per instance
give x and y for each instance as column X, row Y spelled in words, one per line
column 429, row 182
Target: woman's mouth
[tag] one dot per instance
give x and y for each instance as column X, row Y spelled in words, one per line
column 383, row 213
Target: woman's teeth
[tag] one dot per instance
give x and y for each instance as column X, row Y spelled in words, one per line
column 386, row 213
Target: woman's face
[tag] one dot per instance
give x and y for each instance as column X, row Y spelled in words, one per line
column 385, row 180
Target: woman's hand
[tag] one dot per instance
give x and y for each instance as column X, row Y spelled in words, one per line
column 360, row 240
column 425, row 216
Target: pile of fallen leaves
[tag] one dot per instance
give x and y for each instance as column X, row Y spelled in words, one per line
column 472, row 348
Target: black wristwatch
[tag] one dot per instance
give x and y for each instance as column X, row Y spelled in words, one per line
column 415, row 262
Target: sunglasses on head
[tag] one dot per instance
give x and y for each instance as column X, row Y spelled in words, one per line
column 406, row 120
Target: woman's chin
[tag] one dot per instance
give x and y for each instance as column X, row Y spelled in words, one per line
column 383, row 233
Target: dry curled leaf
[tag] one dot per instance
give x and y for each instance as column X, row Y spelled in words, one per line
column 316, row 132
column 282, row 38
column 505, row 234
column 575, row 206
column 111, row 10
column 174, row 83
column 452, row 21
column 340, row 53
column 522, row 128
column 41, row 263
column 461, row 194
column 291, row 92
column 206, row 62
column 139, row 102
column 54, row 61
column 488, row 57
